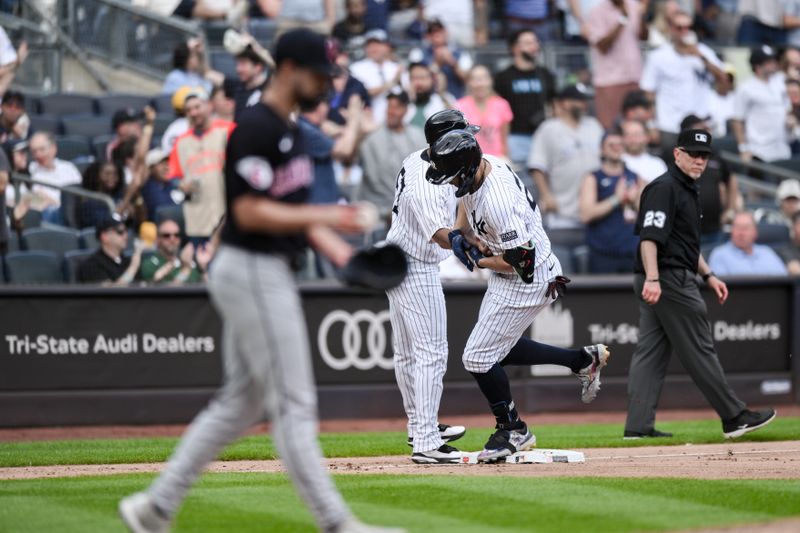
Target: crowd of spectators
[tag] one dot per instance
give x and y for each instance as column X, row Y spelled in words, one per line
column 586, row 143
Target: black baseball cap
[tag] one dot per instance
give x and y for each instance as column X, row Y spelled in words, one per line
column 695, row 141
column 108, row 222
column 121, row 116
column 761, row 55
column 574, row 92
column 307, row 49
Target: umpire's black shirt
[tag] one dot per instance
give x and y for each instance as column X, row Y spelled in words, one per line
column 669, row 215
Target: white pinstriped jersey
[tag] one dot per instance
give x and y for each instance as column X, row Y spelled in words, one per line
column 503, row 214
column 420, row 210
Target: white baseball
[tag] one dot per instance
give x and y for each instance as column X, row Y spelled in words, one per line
column 366, row 215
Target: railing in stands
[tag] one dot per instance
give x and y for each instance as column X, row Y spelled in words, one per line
column 18, row 179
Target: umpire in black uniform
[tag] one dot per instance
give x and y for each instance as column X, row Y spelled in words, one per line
column 672, row 314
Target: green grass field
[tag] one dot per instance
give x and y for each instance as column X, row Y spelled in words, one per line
column 250, row 502
column 114, row 451
column 266, row 502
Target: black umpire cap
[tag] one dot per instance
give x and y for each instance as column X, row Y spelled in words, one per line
column 695, row 141
column 307, row 49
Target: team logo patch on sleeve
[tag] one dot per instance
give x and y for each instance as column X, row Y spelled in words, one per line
column 508, row 236
column 256, row 171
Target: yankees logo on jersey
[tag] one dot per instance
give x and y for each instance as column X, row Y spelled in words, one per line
column 420, row 209
column 503, row 213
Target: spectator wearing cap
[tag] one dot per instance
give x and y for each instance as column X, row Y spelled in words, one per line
column 180, row 125
column 444, row 57
column 10, row 60
column 741, row 256
column 529, row 89
column 343, row 86
column 491, row 112
column 188, row 68
column 172, row 264
column 354, row 24
column 614, row 29
column 126, row 124
column 197, row 160
column 251, row 74
column 637, row 105
column 425, row 96
column 565, row 148
column 324, row 150
column 377, row 71
column 47, row 168
column 159, row 190
column 609, row 199
column 791, row 252
column 383, row 151
column 788, row 199
column 108, row 265
column 679, row 75
column 761, row 109
column 636, row 157
column 14, row 122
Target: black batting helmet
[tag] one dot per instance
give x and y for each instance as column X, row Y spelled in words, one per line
column 455, row 155
column 448, row 120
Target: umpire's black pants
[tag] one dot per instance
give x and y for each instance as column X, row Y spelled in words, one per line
column 677, row 322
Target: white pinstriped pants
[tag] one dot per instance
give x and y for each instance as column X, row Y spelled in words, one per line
column 267, row 373
column 507, row 311
column 419, row 331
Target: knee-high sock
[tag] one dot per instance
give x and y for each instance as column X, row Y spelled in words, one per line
column 495, row 387
column 530, row 352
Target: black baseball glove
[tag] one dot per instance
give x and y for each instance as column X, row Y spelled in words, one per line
column 382, row 266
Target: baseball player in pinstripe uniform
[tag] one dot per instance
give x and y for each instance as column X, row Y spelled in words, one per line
column 422, row 217
column 504, row 218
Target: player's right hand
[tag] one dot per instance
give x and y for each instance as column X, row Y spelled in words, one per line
column 460, row 247
column 651, row 292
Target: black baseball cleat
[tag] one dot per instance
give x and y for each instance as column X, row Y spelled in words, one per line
column 747, row 421
column 448, row 433
column 445, row 454
column 652, row 434
column 505, row 442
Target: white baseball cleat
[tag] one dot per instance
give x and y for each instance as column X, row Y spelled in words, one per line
column 447, row 433
column 354, row 525
column 140, row 515
column 505, row 442
column 589, row 375
column 444, row 454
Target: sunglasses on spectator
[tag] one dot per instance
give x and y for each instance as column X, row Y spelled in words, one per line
column 169, row 235
column 695, row 154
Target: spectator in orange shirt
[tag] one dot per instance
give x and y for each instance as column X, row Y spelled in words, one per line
column 197, row 159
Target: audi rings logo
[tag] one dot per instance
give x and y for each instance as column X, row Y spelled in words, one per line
column 356, row 328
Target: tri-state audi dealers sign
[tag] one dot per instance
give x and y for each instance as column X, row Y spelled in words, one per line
column 89, row 339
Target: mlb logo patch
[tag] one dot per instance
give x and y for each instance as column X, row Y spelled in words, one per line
column 701, row 137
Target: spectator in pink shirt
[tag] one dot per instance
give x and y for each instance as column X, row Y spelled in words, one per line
column 484, row 108
column 613, row 28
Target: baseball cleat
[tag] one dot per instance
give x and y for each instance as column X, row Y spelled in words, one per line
column 746, row 422
column 354, row 525
column 504, row 442
column 589, row 375
column 448, row 433
column 141, row 516
column 443, row 455
column 652, row 434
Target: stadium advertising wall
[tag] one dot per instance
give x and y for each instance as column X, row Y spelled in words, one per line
column 76, row 339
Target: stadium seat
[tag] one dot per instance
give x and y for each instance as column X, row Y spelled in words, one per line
column 161, row 123
column 223, row 61
column 73, row 146
column 215, row 32
column 34, row 267
column 32, row 105
column 163, row 104
column 567, row 236
column 48, row 123
column 773, row 234
column 12, row 244
column 86, row 125
column 88, row 239
column 72, row 259
column 111, row 103
column 66, row 104
column 52, row 239
column 31, row 219
column 264, row 30
column 580, row 259
column 99, row 145
column 726, row 144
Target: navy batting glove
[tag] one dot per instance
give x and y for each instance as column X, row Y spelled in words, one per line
column 475, row 255
column 460, row 247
